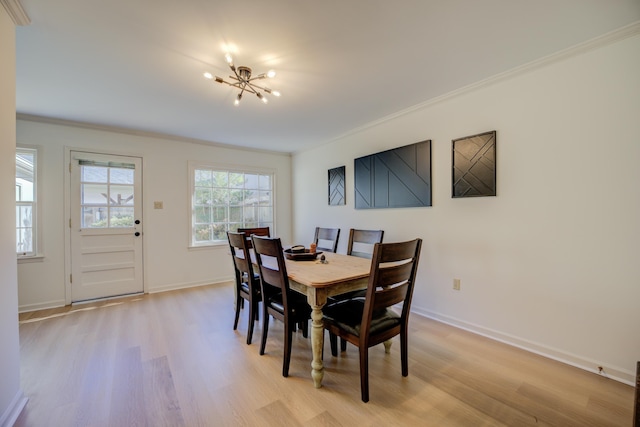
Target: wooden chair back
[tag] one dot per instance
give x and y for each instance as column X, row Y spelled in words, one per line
column 272, row 267
column 239, row 247
column 361, row 242
column 326, row 239
column 258, row 231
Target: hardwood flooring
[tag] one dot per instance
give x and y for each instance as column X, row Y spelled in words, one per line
column 172, row 359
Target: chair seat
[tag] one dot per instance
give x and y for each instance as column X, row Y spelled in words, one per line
column 245, row 288
column 299, row 307
column 347, row 315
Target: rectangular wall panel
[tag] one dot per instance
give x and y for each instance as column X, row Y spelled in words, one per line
column 396, row 178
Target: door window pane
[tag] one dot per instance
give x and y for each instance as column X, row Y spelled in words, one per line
column 107, row 195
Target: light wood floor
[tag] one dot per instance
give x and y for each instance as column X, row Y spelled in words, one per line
column 172, row 359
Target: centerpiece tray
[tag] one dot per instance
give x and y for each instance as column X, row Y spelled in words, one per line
column 301, row 256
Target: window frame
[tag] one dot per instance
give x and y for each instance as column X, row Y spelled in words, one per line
column 217, row 167
column 36, row 204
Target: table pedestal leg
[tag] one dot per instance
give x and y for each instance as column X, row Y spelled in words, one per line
column 317, row 342
column 387, row 346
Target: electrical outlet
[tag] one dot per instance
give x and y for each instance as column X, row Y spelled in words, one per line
column 456, row 284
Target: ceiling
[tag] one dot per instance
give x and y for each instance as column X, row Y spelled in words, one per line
column 340, row 64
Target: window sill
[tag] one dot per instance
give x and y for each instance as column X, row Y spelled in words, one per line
column 208, row 246
column 30, row 259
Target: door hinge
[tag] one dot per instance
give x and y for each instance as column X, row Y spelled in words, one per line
column 69, row 167
column 69, row 222
column 71, row 278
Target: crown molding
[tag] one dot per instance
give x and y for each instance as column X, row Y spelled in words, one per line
column 141, row 133
column 16, row 12
column 609, row 38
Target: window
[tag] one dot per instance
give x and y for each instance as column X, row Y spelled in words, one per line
column 225, row 200
column 26, row 198
column 106, row 194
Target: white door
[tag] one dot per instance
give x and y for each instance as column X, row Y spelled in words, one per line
column 106, row 225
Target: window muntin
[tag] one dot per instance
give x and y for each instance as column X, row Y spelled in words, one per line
column 26, row 209
column 106, row 194
column 224, row 200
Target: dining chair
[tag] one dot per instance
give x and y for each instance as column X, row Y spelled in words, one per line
column 326, row 239
column 361, row 243
column 258, row 231
column 366, row 322
column 278, row 300
column 247, row 282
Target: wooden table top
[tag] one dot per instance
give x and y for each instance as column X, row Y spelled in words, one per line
column 338, row 269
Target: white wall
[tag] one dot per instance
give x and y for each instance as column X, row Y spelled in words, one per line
column 11, row 397
column 169, row 263
column 550, row 264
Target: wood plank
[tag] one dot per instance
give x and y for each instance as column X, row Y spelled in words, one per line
column 174, row 359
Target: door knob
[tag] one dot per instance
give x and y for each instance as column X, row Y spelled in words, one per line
column 137, row 233
column 137, row 221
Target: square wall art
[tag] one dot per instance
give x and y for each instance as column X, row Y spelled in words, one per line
column 474, row 165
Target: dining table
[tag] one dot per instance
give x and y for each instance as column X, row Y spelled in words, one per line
column 318, row 280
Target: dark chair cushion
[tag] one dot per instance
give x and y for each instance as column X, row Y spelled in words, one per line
column 245, row 288
column 297, row 302
column 347, row 315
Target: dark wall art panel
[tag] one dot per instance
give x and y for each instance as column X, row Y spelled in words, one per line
column 336, row 186
column 474, row 165
column 396, row 178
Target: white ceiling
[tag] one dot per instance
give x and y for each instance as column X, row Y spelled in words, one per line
column 341, row 64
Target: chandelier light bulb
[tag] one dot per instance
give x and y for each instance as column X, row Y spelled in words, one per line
column 208, row 75
column 229, row 59
column 271, row 74
column 275, row 93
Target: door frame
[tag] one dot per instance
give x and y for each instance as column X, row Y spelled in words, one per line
column 67, row 214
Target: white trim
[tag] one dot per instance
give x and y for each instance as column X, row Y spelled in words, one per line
column 185, row 285
column 612, row 372
column 16, row 12
column 41, row 306
column 29, row 259
column 14, row 410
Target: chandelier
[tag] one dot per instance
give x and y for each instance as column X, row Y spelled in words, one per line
column 242, row 80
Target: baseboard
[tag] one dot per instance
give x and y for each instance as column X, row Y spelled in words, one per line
column 176, row 286
column 612, row 372
column 41, row 306
column 14, row 410
column 172, row 287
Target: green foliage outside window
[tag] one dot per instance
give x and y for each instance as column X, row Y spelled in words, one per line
column 225, row 201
